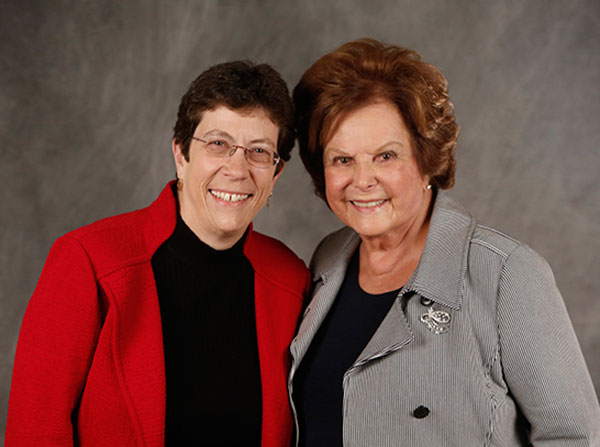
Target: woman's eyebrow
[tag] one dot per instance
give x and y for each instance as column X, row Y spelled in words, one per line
column 390, row 143
column 340, row 151
column 266, row 141
column 337, row 151
column 224, row 134
column 217, row 133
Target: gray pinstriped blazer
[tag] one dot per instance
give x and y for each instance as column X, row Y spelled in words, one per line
column 509, row 371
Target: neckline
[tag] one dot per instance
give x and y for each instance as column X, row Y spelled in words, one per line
column 184, row 244
column 353, row 271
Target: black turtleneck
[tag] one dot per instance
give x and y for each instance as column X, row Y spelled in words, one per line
column 209, row 330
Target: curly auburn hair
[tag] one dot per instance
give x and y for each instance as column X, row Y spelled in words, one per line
column 366, row 71
column 238, row 85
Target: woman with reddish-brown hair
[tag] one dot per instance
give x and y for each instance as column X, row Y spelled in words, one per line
column 425, row 327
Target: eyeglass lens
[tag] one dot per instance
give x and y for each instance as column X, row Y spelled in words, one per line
column 256, row 156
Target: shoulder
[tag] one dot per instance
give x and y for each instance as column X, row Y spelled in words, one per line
column 333, row 250
column 460, row 250
column 511, row 251
column 113, row 242
column 513, row 266
column 454, row 222
column 120, row 241
column 275, row 262
column 493, row 240
column 110, row 229
column 335, row 241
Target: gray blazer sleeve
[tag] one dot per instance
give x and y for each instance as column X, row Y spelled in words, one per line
column 541, row 358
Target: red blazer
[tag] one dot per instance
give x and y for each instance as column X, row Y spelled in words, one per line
column 89, row 368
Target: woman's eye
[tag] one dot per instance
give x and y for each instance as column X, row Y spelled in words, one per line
column 341, row 160
column 386, row 156
column 258, row 150
column 218, row 146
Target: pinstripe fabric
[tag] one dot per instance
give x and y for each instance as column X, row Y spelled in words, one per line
column 509, row 372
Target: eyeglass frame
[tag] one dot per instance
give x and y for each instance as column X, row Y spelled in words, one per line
column 235, row 147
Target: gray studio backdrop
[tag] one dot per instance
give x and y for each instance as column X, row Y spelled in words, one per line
column 89, row 91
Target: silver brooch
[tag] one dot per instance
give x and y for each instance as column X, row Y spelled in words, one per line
column 437, row 321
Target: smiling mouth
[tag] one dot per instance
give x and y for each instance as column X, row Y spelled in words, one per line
column 370, row 204
column 229, row 197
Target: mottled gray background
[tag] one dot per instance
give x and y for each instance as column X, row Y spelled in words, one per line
column 89, row 91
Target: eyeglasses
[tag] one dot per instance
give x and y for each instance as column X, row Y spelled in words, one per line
column 258, row 157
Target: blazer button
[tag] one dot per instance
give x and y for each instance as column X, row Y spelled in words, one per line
column 420, row 412
column 426, row 301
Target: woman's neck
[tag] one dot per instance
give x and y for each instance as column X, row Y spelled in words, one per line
column 388, row 261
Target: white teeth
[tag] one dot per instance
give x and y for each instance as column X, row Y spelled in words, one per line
column 228, row 197
column 368, row 204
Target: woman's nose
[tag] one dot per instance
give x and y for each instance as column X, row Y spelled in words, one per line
column 236, row 164
column 364, row 176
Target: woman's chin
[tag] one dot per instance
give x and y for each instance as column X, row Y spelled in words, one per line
column 370, row 229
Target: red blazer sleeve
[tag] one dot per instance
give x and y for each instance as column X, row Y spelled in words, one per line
column 55, row 348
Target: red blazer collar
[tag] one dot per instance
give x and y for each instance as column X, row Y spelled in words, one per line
column 163, row 217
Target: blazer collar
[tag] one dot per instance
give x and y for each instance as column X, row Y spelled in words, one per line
column 440, row 274
column 163, row 217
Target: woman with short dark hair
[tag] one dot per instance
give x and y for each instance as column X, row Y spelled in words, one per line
column 170, row 325
column 425, row 328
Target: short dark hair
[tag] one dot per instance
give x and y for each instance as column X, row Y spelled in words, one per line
column 238, row 85
column 366, row 71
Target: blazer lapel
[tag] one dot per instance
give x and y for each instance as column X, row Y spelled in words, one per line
column 314, row 315
column 138, row 348
column 329, row 272
column 440, row 275
column 392, row 334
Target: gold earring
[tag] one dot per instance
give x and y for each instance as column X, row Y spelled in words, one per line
column 269, row 200
column 179, row 184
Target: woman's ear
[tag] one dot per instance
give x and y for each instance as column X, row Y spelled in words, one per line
column 279, row 169
column 179, row 158
column 427, row 183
